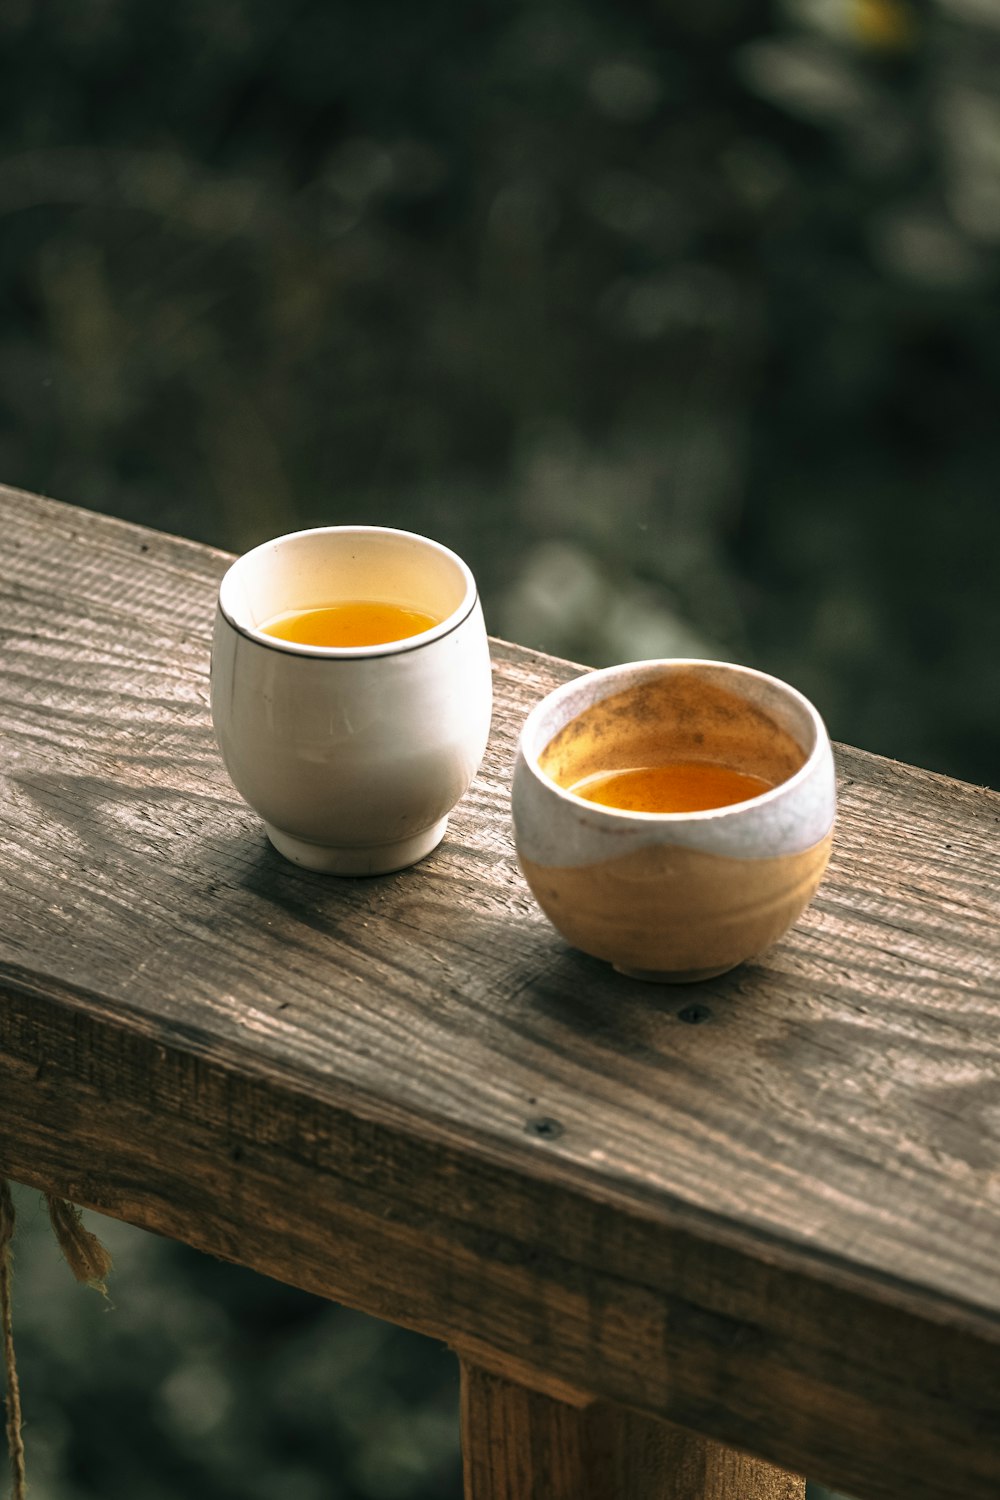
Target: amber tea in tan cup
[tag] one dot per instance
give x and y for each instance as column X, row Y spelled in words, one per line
column 673, row 817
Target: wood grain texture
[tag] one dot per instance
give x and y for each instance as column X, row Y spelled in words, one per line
column 518, row 1445
column 766, row 1208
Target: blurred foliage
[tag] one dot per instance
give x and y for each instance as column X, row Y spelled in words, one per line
column 679, row 321
column 202, row 1379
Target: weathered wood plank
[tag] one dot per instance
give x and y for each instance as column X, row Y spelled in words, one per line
column 778, row 1226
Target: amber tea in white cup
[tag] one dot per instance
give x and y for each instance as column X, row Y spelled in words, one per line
column 350, row 623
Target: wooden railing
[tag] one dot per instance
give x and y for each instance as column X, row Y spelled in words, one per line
column 663, row 1228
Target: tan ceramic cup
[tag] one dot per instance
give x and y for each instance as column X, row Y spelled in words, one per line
column 674, row 896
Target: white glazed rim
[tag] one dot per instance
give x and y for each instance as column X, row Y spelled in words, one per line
column 532, row 742
column 346, row 653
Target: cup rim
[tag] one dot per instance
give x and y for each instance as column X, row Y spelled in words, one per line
column 615, row 815
column 427, row 637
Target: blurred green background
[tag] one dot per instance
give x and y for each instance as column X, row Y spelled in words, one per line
column 679, row 322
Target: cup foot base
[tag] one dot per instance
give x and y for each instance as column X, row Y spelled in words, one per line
column 672, row 976
column 378, row 859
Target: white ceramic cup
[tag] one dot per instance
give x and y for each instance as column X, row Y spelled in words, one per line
column 674, row 896
column 353, row 757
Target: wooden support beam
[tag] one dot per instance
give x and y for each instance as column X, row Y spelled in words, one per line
column 520, row 1445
